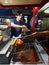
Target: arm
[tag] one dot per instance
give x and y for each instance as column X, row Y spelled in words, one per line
column 18, row 26
column 24, row 28
column 15, row 26
column 9, row 22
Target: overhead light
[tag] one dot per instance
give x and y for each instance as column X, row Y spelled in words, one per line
column 46, row 10
column 6, row 1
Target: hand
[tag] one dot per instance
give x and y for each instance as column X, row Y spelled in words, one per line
column 24, row 28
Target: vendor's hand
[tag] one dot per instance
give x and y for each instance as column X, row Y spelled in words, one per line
column 24, row 28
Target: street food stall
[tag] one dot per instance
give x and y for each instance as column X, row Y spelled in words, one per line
column 25, row 49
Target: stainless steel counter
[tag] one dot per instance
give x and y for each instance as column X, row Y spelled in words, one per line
column 5, row 51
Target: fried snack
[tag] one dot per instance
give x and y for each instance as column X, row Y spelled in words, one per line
column 17, row 42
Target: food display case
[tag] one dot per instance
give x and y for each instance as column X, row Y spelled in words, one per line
column 4, row 30
column 5, row 42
